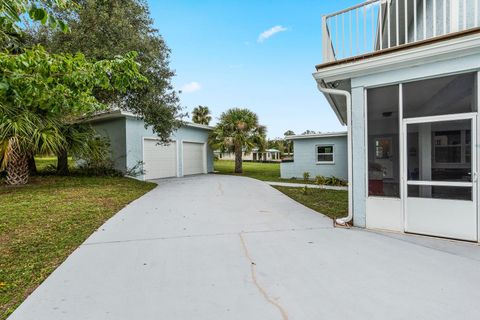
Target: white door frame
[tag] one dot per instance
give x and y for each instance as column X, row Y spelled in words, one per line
column 472, row 116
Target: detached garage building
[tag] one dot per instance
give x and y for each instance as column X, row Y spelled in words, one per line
column 132, row 143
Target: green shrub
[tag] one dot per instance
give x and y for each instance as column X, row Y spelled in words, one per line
column 320, row 180
column 305, row 190
column 334, row 181
column 306, row 176
column 330, row 181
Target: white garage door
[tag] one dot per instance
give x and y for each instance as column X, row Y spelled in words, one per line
column 159, row 161
column 193, row 158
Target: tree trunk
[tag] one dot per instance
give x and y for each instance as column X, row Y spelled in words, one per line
column 32, row 166
column 238, row 159
column 62, row 162
column 17, row 165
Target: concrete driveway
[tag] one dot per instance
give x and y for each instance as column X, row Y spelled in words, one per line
column 222, row 247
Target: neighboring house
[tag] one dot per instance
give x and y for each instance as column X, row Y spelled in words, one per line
column 411, row 69
column 267, row 155
column 132, row 144
column 318, row 154
column 254, row 155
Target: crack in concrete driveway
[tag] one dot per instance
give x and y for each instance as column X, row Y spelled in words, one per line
column 262, row 290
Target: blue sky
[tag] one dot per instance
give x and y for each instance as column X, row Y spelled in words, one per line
column 222, row 61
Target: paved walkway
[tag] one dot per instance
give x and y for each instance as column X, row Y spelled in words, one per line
column 301, row 185
column 222, row 247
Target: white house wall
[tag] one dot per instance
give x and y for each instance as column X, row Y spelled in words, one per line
column 454, row 18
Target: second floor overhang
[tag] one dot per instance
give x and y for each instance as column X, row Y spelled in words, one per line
column 446, row 51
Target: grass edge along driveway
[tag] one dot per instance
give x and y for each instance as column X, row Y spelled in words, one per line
column 332, row 203
column 265, row 171
column 42, row 223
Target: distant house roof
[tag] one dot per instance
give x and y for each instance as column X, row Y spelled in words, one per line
column 124, row 114
column 316, row 135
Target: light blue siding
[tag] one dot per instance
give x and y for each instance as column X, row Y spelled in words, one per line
column 136, row 132
column 359, row 158
column 114, row 130
column 305, row 159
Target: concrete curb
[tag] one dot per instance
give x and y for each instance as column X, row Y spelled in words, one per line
column 301, row 185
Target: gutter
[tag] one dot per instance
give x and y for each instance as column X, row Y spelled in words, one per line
column 348, row 97
column 316, row 136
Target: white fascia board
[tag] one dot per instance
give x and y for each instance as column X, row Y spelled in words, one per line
column 199, row 126
column 108, row 115
column 442, row 50
column 316, row 136
column 123, row 114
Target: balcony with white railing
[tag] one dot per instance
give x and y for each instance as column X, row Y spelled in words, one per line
column 378, row 25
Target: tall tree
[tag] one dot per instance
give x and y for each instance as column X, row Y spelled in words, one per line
column 278, row 144
column 15, row 14
column 288, row 143
column 201, row 115
column 103, row 29
column 38, row 90
column 238, row 130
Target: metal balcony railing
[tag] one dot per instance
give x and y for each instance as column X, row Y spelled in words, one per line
column 381, row 24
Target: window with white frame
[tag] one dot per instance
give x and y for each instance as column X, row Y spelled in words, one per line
column 325, row 154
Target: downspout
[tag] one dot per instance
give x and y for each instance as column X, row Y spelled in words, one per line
column 348, row 98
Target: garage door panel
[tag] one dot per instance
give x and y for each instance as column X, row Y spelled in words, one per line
column 193, row 158
column 160, row 161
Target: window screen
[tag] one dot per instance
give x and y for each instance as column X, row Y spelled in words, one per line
column 383, row 142
column 439, row 96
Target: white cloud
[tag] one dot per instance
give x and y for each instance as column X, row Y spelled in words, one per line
column 191, row 87
column 270, row 32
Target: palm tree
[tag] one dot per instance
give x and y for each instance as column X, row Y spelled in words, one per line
column 201, row 115
column 289, row 143
column 238, row 130
column 24, row 133
column 81, row 142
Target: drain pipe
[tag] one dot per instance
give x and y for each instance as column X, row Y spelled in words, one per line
column 348, row 97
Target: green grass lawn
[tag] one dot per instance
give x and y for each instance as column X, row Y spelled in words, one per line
column 258, row 170
column 43, row 222
column 332, row 203
column 44, row 163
